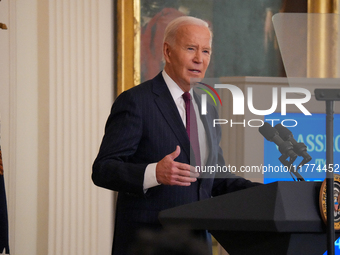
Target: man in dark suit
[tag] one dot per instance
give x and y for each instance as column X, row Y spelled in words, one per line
column 145, row 152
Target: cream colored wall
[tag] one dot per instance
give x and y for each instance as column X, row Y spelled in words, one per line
column 47, row 216
column 26, row 179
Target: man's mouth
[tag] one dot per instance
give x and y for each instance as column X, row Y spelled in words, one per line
column 195, row 71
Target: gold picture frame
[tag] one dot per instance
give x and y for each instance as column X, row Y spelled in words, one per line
column 323, row 6
column 128, row 34
column 127, row 51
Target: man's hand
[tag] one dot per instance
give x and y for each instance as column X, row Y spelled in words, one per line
column 170, row 172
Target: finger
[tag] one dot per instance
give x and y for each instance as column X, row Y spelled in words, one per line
column 182, row 166
column 185, row 184
column 187, row 173
column 175, row 153
column 193, row 169
column 194, row 172
column 184, row 181
column 187, row 170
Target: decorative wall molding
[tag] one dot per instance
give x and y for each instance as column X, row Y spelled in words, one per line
column 80, row 95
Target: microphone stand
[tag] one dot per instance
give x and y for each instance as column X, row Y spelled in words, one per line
column 329, row 95
column 289, row 165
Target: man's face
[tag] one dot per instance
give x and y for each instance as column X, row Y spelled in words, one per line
column 189, row 57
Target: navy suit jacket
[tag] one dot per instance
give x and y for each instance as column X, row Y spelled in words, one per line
column 144, row 126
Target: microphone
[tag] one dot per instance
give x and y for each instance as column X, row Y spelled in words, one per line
column 299, row 148
column 285, row 147
column 272, row 135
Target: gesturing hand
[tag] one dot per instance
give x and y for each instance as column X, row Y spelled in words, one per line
column 170, row 172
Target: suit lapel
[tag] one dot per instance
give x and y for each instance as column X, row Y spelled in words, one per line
column 168, row 108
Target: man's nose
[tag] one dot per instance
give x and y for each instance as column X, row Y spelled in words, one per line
column 198, row 57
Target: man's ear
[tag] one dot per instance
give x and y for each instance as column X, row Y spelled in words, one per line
column 166, row 52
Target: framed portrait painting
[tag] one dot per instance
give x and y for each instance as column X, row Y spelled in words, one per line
column 243, row 36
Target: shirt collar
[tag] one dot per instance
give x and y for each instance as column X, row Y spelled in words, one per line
column 175, row 90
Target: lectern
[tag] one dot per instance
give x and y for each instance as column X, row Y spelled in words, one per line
column 276, row 218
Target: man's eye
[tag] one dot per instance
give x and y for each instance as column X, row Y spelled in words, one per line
column 206, row 52
column 190, row 48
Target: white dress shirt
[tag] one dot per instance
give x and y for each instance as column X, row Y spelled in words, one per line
column 150, row 179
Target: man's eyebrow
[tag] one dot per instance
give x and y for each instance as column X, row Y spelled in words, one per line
column 196, row 46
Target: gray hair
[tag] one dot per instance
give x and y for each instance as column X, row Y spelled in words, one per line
column 173, row 26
